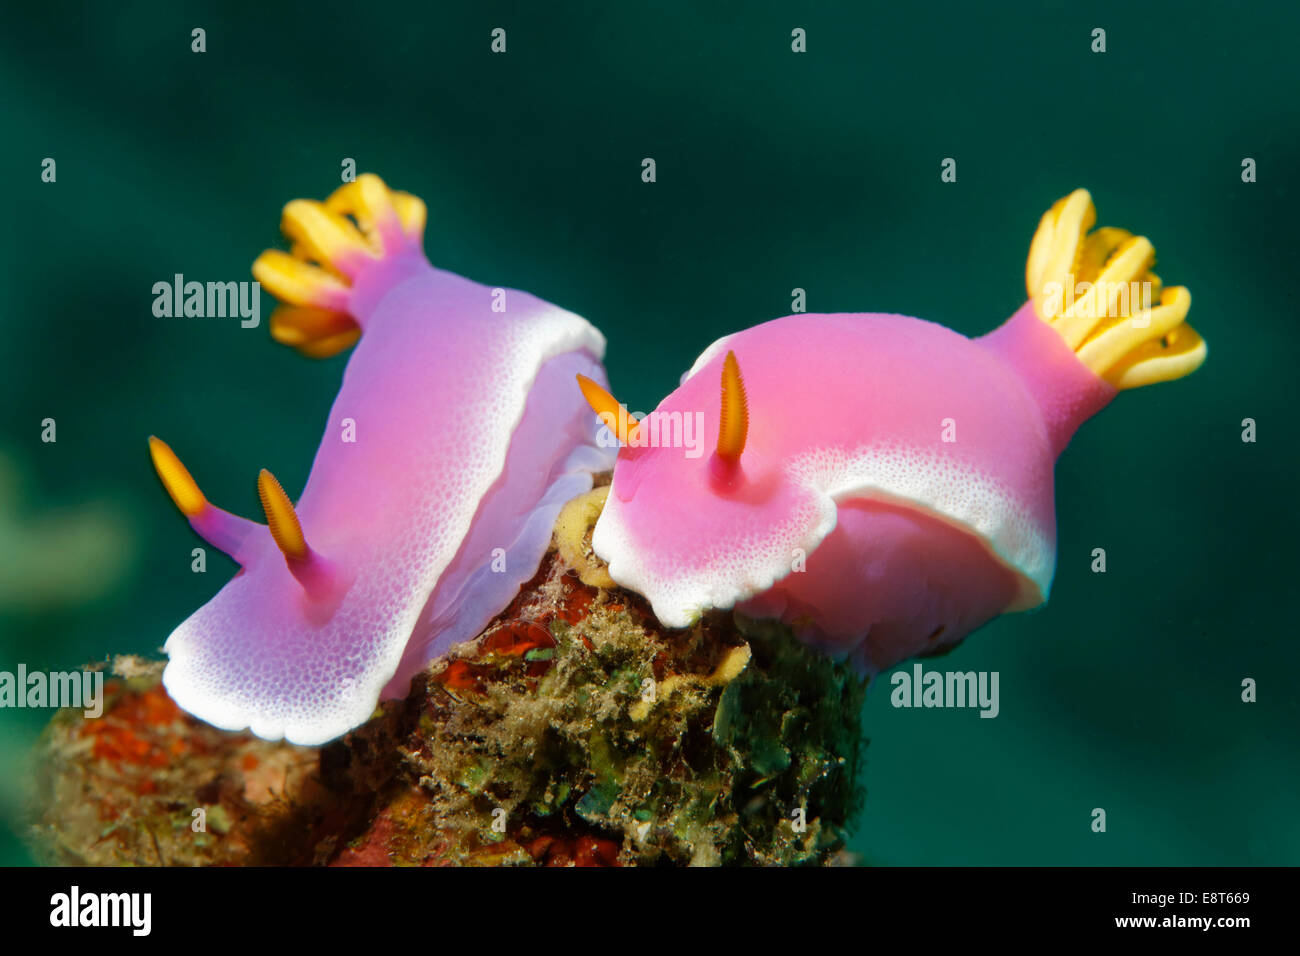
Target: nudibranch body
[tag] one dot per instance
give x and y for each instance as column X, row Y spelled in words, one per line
column 453, row 442
column 881, row 483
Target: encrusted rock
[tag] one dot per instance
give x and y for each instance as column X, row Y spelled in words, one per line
column 574, row 731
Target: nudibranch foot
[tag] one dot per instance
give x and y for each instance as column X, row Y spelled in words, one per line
column 503, row 550
column 921, row 583
column 881, row 483
column 453, row 442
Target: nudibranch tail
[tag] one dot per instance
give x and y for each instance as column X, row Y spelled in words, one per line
column 221, row 529
column 334, row 244
column 1096, row 289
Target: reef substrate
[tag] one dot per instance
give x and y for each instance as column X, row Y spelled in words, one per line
column 574, row 731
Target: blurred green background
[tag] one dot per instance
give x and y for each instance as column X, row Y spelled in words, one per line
column 776, row 170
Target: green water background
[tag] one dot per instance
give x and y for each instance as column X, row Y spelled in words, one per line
column 775, row 170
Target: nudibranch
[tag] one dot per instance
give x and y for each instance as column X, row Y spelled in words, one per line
column 453, row 442
column 881, row 483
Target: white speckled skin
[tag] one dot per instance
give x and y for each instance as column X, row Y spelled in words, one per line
column 437, row 388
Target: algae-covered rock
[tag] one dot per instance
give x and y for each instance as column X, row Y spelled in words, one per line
column 146, row 784
column 574, row 730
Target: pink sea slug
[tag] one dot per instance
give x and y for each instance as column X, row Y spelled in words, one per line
column 454, row 440
column 882, row 483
